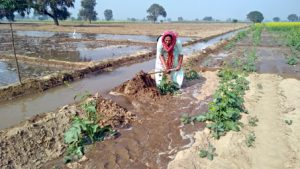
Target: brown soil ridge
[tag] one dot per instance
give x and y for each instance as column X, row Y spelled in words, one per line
column 141, row 87
column 40, row 139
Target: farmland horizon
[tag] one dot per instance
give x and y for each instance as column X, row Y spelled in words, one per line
column 190, row 10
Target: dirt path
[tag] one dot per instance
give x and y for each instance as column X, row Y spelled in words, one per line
column 272, row 100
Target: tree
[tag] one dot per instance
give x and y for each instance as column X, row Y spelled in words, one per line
column 255, row 16
column 293, row 18
column 9, row 7
column 55, row 9
column 154, row 11
column 180, row 19
column 235, row 21
column 108, row 14
column 208, row 18
column 276, row 19
column 87, row 12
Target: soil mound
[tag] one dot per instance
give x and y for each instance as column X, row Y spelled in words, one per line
column 141, row 87
column 113, row 114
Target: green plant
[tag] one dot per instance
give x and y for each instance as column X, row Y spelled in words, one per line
column 229, row 45
column 256, row 36
column 167, row 86
column 292, row 60
column 84, row 131
column 90, row 110
column 250, row 139
column 252, row 121
column 209, row 152
column 249, row 64
column 289, row 122
column 191, row 75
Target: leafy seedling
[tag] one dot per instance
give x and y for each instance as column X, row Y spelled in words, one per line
column 289, row 122
column 191, row 75
column 252, row 121
column 209, row 152
column 250, row 139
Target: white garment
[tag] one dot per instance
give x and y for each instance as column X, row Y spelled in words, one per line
column 177, row 76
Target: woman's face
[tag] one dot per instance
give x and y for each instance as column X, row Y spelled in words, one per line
column 168, row 40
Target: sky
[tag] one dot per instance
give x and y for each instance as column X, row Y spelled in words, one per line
column 192, row 9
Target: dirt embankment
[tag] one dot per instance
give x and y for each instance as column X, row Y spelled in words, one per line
column 40, row 139
column 273, row 100
column 202, row 30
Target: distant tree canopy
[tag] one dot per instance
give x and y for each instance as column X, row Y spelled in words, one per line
column 293, row 18
column 276, row 19
column 154, row 11
column 255, row 16
column 180, row 19
column 207, row 18
column 55, row 9
column 87, row 12
column 235, row 21
column 108, row 14
column 9, row 7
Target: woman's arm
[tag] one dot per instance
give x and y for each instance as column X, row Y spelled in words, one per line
column 180, row 58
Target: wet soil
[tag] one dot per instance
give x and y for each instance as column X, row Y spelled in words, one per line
column 40, row 139
column 65, row 49
column 272, row 56
column 8, row 71
column 142, row 87
column 157, row 135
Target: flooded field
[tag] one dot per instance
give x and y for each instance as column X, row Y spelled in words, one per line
column 8, row 72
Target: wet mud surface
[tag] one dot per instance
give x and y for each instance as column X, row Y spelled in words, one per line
column 8, row 71
column 272, row 56
column 156, row 136
column 40, row 139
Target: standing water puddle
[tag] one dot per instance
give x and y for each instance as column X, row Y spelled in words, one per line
column 135, row 38
column 7, row 75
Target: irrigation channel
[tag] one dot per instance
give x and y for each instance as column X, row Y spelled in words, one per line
column 150, row 142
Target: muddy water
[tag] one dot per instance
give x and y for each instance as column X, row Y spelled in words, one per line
column 135, row 38
column 202, row 45
column 7, row 75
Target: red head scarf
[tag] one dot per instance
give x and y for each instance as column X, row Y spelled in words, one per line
column 169, row 49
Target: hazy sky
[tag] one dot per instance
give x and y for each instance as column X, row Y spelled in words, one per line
column 192, row 9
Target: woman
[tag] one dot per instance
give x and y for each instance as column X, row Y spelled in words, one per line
column 169, row 58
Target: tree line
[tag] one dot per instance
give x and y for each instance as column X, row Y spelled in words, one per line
column 58, row 10
column 55, row 9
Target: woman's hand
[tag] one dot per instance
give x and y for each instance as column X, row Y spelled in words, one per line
column 178, row 67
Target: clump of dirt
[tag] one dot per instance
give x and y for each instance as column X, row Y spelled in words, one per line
column 40, row 139
column 112, row 114
column 35, row 141
column 141, row 87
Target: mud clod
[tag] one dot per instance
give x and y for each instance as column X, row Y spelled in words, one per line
column 141, row 87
